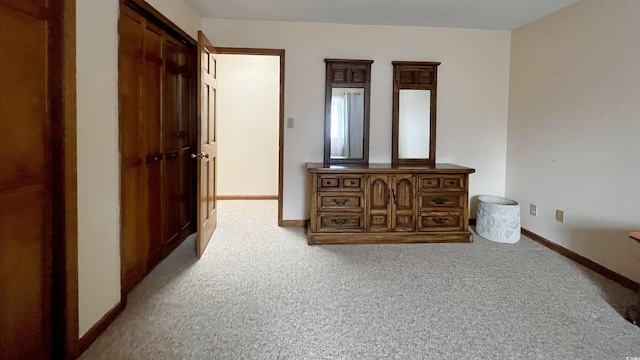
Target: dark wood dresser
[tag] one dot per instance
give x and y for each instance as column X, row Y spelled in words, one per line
column 385, row 203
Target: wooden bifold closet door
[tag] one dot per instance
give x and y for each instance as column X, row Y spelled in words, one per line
column 156, row 138
column 29, row 62
column 38, row 188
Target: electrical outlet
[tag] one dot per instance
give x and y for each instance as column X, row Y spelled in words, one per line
column 533, row 209
column 560, row 216
column 290, row 122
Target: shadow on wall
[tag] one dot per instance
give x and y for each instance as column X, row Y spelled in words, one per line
column 473, row 207
column 601, row 239
column 604, row 241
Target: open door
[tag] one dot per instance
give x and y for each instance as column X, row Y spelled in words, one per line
column 207, row 142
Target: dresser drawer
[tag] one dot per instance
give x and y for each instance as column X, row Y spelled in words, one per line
column 331, row 182
column 340, row 222
column 441, row 221
column 441, row 182
column 340, row 201
column 434, row 200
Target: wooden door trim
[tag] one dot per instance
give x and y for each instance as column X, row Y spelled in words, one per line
column 150, row 13
column 64, row 180
column 294, row 223
column 280, row 53
column 249, row 51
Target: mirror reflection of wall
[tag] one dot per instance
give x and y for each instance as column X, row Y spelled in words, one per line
column 414, row 124
column 347, row 123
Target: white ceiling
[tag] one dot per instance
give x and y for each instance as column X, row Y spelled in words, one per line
column 476, row 14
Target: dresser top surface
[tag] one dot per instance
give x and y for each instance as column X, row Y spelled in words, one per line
column 386, row 167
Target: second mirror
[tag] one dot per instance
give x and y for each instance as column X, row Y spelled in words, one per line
column 414, row 113
column 346, row 126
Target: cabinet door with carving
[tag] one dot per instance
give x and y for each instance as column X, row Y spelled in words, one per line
column 378, row 209
column 404, row 209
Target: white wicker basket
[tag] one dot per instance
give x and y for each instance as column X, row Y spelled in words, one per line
column 498, row 219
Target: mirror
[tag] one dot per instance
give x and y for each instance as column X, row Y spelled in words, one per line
column 347, row 123
column 347, row 111
column 414, row 113
column 414, row 124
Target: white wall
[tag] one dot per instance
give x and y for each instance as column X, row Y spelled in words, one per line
column 98, row 160
column 248, row 124
column 473, row 85
column 180, row 13
column 574, row 120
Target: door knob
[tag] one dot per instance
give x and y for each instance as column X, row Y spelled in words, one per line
column 200, row 156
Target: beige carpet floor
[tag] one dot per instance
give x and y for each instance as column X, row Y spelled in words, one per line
column 259, row 292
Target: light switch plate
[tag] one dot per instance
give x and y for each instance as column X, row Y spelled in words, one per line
column 290, row 122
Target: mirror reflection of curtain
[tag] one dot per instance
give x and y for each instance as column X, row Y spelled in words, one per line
column 339, row 147
column 347, row 116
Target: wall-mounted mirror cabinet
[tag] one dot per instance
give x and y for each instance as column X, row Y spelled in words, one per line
column 414, row 113
column 346, row 119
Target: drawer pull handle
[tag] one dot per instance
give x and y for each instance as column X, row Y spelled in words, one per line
column 353, row 182
column 340, row 201
column 429, row 182
column 440, row 201
column 340, row 221
column 451, row 182
column 440, row 220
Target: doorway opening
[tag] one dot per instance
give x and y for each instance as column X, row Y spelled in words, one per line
column 251, row 124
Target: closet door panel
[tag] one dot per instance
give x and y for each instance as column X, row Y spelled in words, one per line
column 134, row 232
column 152, row 119
column 171, row 97
column 172, row 200
column 171, row 143
column 132, row 150
column 29, row 116
column 152, row 89
column 157, row 131
column 188, row 133
column 187, row 189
